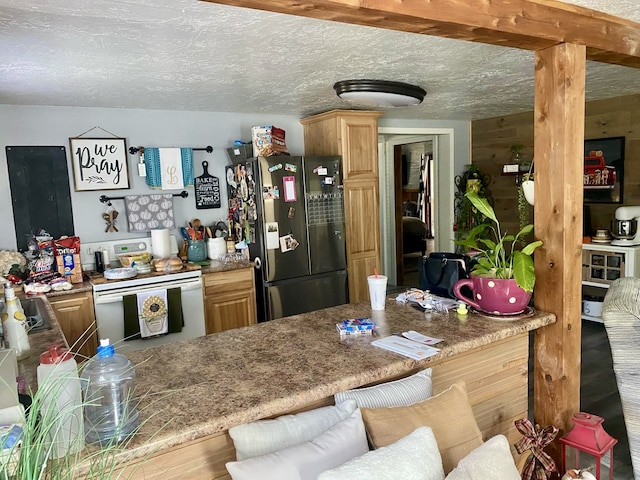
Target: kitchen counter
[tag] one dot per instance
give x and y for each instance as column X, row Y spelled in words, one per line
column 40, row 341
column 196, row 389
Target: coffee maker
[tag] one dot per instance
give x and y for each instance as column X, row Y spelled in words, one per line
column 624, row 228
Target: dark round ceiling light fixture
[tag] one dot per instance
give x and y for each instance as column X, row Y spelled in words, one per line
column 379, row 93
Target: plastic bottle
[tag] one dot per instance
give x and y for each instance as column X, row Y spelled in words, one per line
column 110, row 409
column 14, row 324
column 61, row 408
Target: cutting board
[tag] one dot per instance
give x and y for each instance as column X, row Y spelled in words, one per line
column 207, row 189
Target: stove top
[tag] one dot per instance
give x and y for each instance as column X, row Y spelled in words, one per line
column 118, row 247
column 102, row 284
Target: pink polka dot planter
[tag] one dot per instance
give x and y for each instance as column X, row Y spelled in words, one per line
column 493, row 295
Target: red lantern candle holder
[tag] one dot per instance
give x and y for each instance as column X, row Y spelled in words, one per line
column 588, row 436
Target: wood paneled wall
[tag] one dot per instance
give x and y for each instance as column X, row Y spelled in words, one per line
column 491, row 148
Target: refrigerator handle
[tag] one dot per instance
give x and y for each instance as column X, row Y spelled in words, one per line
column 257, row 263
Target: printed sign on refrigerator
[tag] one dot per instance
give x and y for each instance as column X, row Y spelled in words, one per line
column 273, row 236
column 289, row 189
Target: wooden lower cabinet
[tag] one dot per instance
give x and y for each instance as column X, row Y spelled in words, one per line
column 229, row 300
column 77, row 321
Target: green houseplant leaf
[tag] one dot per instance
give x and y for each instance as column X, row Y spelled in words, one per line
column 499, row 255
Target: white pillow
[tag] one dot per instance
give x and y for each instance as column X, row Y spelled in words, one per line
column 414, row 457
column 268, row 436
column 492, row 459
column 406, row 391
column 339, row 444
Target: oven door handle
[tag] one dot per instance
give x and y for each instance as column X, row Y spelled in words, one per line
column 117, row 295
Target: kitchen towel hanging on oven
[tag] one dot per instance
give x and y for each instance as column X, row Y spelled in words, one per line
column 152, row 313
column 169, row 168
column 439, row 272
column 148, row 212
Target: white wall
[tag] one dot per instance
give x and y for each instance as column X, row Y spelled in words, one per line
column 52, row 126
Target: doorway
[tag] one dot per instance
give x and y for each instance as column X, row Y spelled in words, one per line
column 440, row 196
column 413, row 177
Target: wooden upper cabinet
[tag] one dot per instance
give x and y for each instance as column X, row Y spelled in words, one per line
column 352, row 134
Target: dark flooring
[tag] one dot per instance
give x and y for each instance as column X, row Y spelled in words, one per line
column 599, row 392
column 598, row 389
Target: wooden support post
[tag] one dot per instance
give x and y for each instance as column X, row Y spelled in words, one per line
column 559, row 150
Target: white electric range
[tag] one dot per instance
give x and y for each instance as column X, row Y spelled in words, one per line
column 108, row 295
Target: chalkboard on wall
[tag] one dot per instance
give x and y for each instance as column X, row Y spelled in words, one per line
column 40, row 194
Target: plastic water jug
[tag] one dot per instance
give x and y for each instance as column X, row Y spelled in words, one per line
column 61, row 408
column 110, row 408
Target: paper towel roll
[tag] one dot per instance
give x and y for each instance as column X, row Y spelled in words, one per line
column 160, row 243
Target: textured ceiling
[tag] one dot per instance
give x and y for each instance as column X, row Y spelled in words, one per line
column 191, row 55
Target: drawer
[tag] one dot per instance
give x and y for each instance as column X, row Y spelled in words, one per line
column 231, row 280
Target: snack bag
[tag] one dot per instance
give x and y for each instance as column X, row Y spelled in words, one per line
column 67, row 253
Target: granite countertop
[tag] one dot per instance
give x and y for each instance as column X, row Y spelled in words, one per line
column 196, row 388
column 40, row 341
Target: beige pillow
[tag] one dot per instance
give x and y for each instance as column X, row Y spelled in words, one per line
column 448, row 414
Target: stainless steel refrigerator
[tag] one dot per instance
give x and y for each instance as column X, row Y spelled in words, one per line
column 290, row 211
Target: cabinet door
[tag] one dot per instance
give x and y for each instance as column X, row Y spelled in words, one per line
column 76, row 318
column 359, row 146
column 229, row 310
column 230, row 300
column 363, row 235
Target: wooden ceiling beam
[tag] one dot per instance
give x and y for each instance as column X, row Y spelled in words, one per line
column 525, row 24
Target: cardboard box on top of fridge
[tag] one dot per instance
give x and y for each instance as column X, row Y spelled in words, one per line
column 268, row 140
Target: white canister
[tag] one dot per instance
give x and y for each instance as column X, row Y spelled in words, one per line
column 216, row 247
column 592, row 306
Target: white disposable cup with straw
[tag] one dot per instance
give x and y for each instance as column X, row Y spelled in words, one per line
column 377, row 290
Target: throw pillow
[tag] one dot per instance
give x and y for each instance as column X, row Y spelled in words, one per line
column 414, row 457
column 405, row 391
column 339, row 444
column 268, row 436
column 448, row 414
column 492, row 459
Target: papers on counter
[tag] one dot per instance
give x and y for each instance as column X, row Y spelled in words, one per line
column 406, row 347
column 418, row 337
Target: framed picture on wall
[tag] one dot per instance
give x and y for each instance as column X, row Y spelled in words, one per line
column 99, row 163
column 603, row 179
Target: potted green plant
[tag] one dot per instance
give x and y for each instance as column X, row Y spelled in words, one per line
column 503, row 277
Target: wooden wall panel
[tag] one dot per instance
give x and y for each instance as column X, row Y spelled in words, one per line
column 493, row 137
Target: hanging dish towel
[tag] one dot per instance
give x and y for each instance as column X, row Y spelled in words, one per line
column 156, row 159
column 148, row 212
column 132, row 318
column 153, row 313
